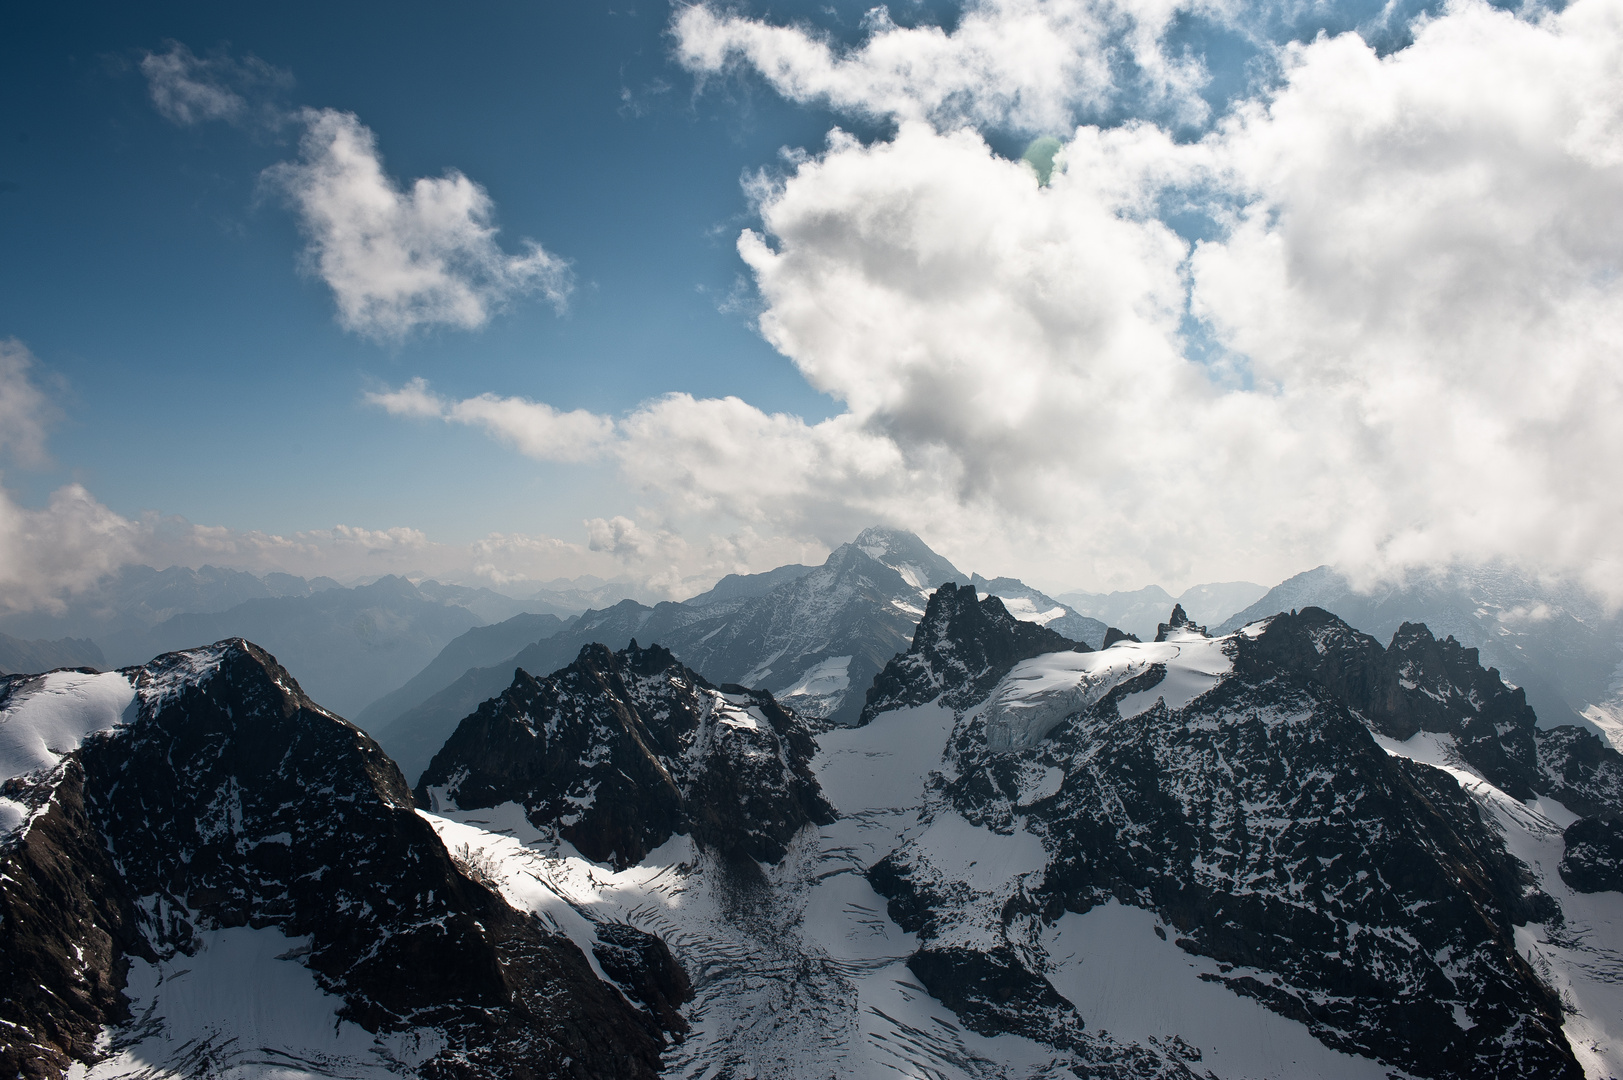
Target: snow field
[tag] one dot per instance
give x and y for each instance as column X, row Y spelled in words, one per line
column 1126, row 980
column 1040, row 693
column 245, row 1007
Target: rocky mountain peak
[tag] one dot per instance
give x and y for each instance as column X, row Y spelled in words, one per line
column 963, row 646
column 1415, row 684
column 619, row 751
column 1178, row 623
column 1216, row 782
column 202, row 802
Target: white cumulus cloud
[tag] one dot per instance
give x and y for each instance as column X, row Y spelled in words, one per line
column 25, row 412
column 398, row 259
column 59, row 549
column 1398, row 346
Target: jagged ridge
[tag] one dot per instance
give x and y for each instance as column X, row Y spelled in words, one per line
column 620, row 751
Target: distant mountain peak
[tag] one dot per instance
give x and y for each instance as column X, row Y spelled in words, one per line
column 909, row 556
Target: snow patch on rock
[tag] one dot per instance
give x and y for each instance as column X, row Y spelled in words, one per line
column 45, row 718
column 1042, row 692
column 51, row 715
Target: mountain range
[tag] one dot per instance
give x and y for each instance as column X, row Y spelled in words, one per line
column 814, row 636
column 1285, row 850
column 1558, row 642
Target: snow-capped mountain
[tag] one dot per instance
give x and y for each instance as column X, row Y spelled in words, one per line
column 1029, row 605
column 1288, row 851
column 618, row 752
column 815, row 637
column 203, row 873
column 1557, row 642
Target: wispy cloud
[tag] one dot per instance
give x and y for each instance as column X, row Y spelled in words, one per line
column 188, row 89
column 536, row 429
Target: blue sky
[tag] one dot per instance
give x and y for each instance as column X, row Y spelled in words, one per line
column 206, row 377
column 1315, row 284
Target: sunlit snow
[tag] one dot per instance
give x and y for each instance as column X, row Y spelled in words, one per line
column 51, row 716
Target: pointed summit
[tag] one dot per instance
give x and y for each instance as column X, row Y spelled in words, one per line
column 908, row 556
column 1179, row 622
column 961, row 649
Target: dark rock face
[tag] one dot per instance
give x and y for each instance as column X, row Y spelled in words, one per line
column 1113, row 635
column 416, row 735
column 1594, row 856
column 1358, row 893
column 993, row 993
column 1415, row 684
column 1582, row 772
column 61, row 899
column 642, row 965
column 620, row 751
column 961, row 649
column 1420, row 684
column 231, row 799
column 1177, row 621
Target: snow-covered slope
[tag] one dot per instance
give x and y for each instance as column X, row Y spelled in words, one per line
column 1030, row 605
column 1191, row 857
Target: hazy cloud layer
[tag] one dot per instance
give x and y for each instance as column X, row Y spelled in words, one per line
column 1398, row 348
column 399, row 259
column 50, row 553
column 25, row 411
